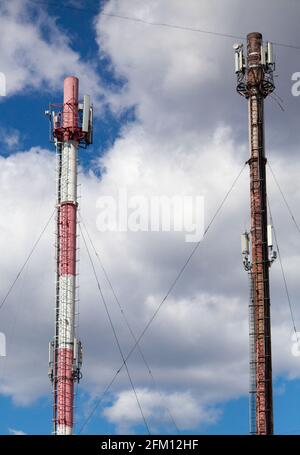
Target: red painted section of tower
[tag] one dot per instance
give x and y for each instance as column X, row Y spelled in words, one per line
column 70, row 113
column 65, row 388
column 67, row 263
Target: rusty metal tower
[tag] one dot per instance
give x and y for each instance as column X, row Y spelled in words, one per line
column 255, row 83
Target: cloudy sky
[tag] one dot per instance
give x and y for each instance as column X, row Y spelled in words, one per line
column 167, row 122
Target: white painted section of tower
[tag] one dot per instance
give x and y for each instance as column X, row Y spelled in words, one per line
column 64, row 430
column 66, row 311
column 69, row 172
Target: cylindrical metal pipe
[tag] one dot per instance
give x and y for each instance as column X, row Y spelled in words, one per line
column 254, row 67
column 252, row 358
column 260, row 254
column 57, row 259
column 67, row 260
column 70, row 113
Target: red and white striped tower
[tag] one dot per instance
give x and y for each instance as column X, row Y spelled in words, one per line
column 71, row 127
column 67, row 259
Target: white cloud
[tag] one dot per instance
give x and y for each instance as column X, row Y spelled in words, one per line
column 161, row 410
column 27, row 181
column 16, row 432
column 183, row 83
column 10, row 137
column 37, row 54
column 185, row 142
column 198, row 341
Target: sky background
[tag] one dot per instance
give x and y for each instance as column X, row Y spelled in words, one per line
column 167, row 121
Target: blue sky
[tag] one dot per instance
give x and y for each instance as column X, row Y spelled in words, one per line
column 31, row 104
column 35, row 419
column 162, row 126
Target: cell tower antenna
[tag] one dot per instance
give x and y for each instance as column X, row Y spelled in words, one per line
column 70, row 128
column 255, row 82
